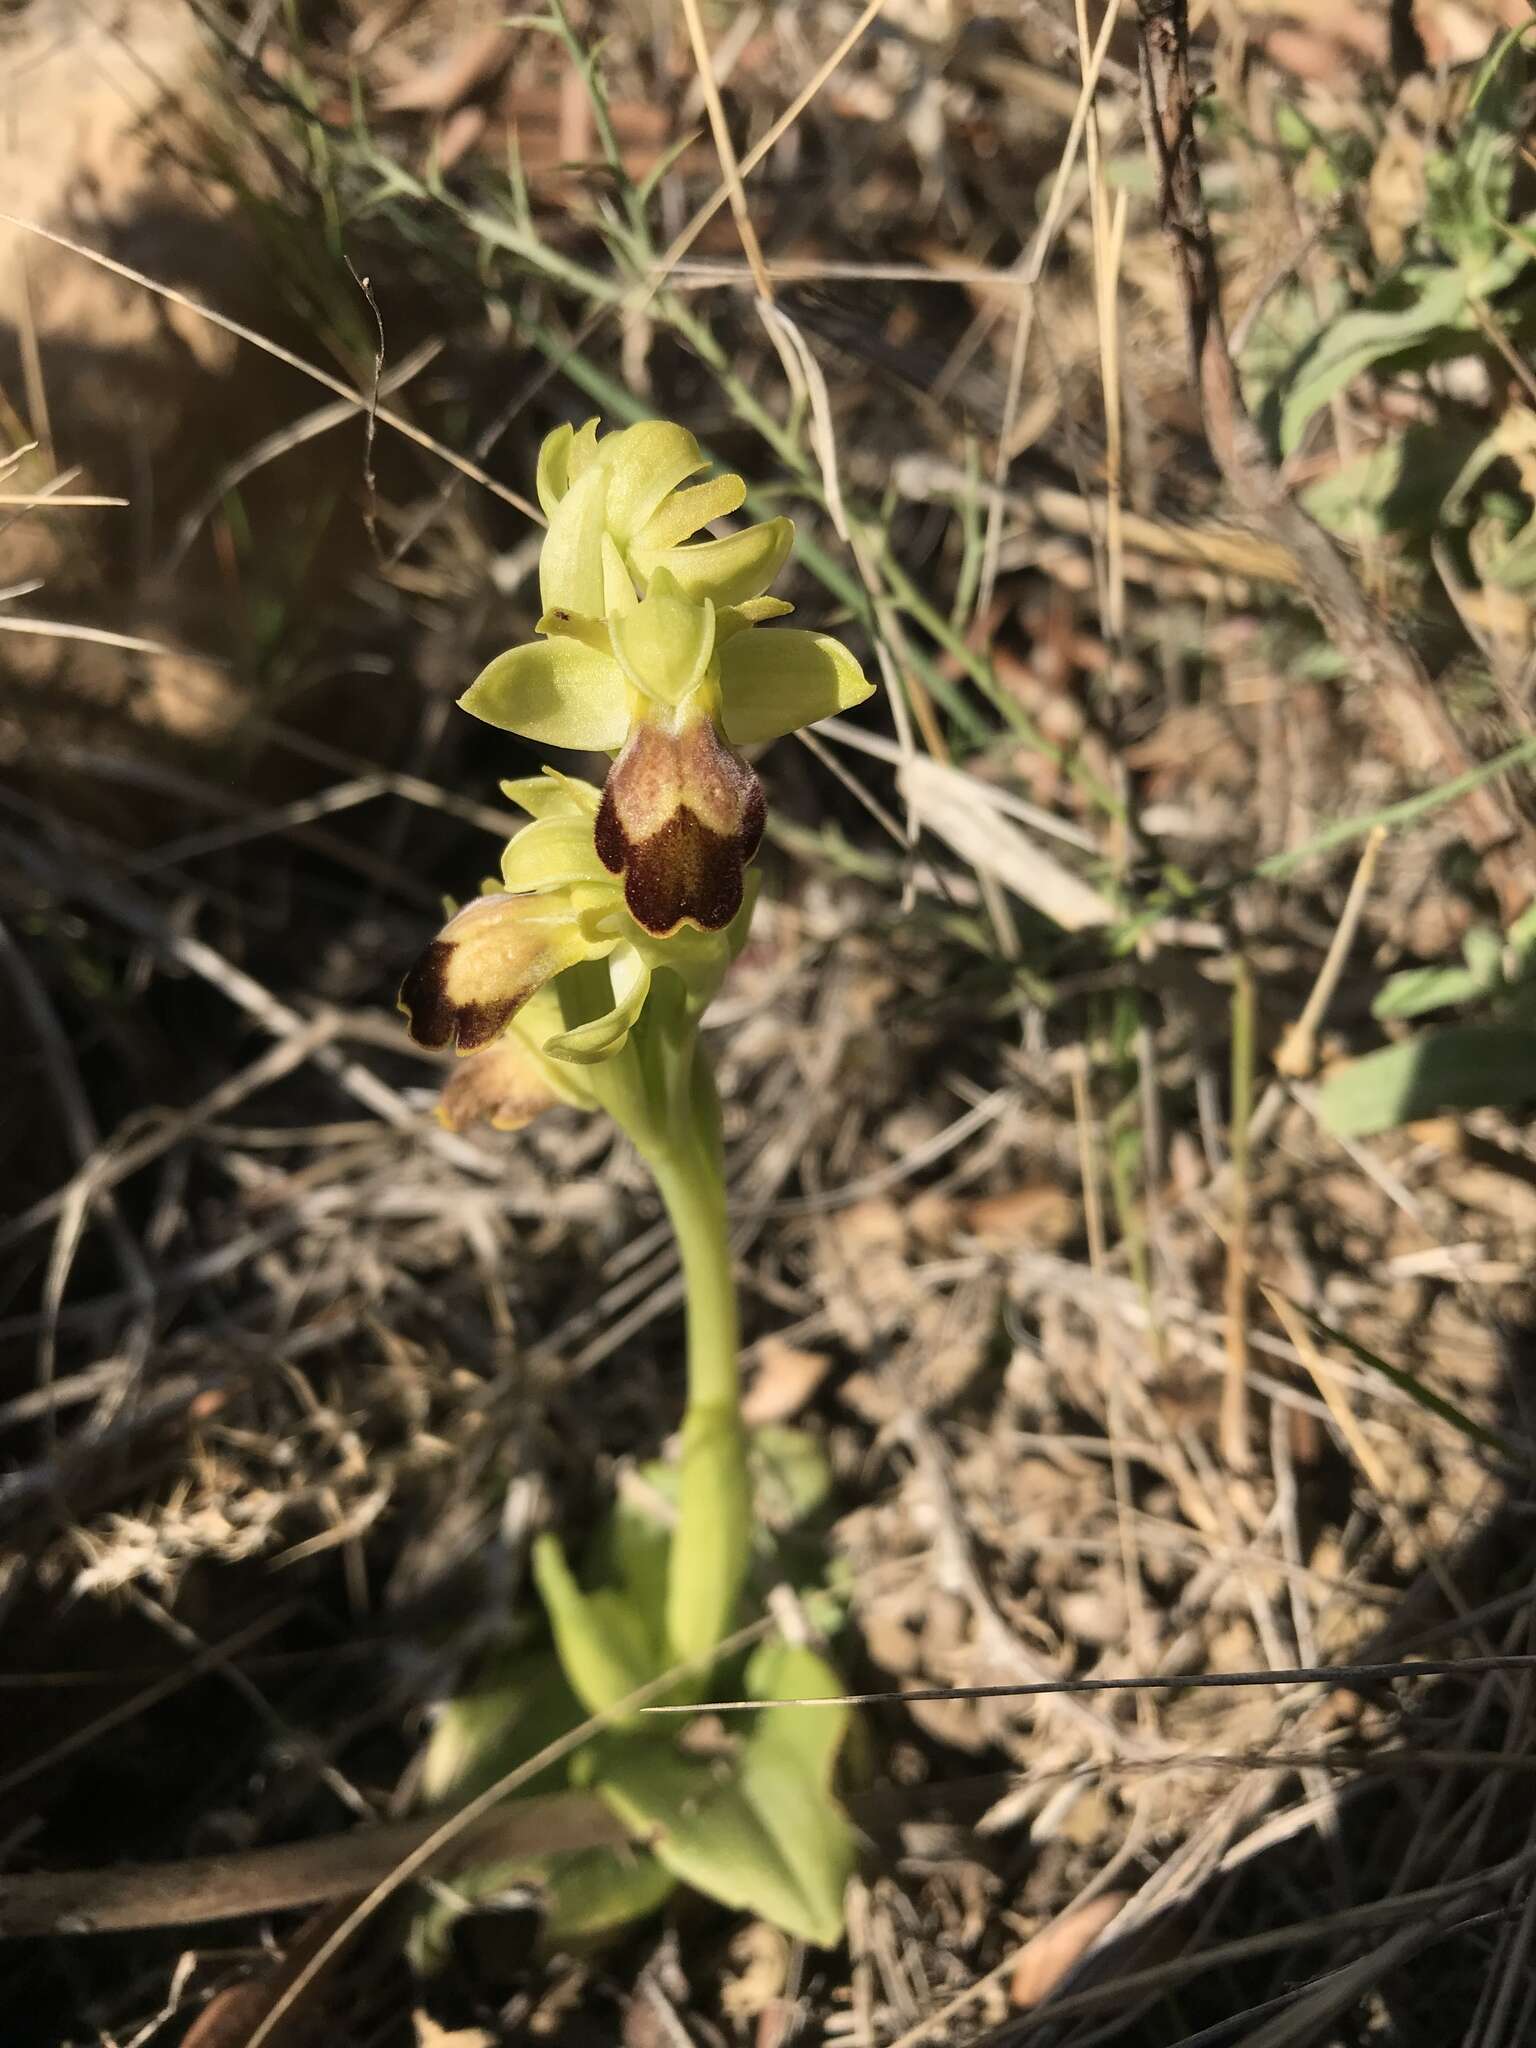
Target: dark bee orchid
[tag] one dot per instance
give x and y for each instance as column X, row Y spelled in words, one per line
column 673, row 682
column 485, row 984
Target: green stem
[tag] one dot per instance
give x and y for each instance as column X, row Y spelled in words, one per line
column 712, row 1544
column 689, row 1175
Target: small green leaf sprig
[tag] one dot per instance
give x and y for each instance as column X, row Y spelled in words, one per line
column 580, row 975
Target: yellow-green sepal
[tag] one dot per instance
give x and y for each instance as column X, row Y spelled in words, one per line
column 570, row 562
column 557, row 692
column 775, row 682
column 645, row 464
column 552, row 853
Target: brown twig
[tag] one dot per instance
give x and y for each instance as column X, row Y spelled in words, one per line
column 292, row 1874
column 1377, row 653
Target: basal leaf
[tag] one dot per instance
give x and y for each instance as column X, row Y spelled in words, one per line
column 604, row 1647
column 1422, row 303
column 1476, row 1066
column 592, row 1892
column 1419, row 989
column 517, row 1704
column 761, row 1832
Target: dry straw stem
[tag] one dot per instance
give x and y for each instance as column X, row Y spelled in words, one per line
column 686, row 238
column 1374, row 650
column 1297, row 1054
column 289, row 1875
column 729, row 168
column 1235, row 1448
column 1327, row 1382
column 358, row 399
column 1028, row 274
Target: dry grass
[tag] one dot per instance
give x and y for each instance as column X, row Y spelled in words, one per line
column 291, row 1375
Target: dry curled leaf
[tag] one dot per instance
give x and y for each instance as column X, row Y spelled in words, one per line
column 785, row 1379
column 1045, row 1959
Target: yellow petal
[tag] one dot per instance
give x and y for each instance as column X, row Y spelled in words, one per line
column 608, row 1034
column 774, row 682
column 583, row 449
column 553, row 476
column 644, row 463
column 679, row 516
column 553, row 795
column 737, row 617
column 554, row 691
column 484, row 965
column 561, row 624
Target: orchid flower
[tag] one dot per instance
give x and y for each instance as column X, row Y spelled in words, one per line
column 494, row 966
column 673, row 681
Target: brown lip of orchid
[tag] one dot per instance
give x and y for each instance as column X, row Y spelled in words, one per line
column 681, row 816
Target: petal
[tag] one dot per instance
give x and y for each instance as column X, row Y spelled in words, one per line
column 484, row 965
column 553, row 795
column 644, row 463
column 561, row 624
column 730, row 570
column 775, row 682
column 554, row 691
column 583, row 450
column 665, row 644
column 552, row 479
column 681, row 815
column 552, row 854
column 737, row 617
column 571, row 562
column 618, row 585
column 679, row 517
column 506, row 1086
column 608, row 1034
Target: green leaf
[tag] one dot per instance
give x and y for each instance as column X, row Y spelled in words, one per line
column 1521, row 938
column 1419, row 989
column 517, row 1704
column 1469, row 186
column 631, row 1550
column 791, row 1477
column 764, row 1838
column 1476, row 1066
column 604, row 1647
column 593, row 1892
column 1405, row 485
column 1407, row 1383
column 787, row 1772
column 1422, row 303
